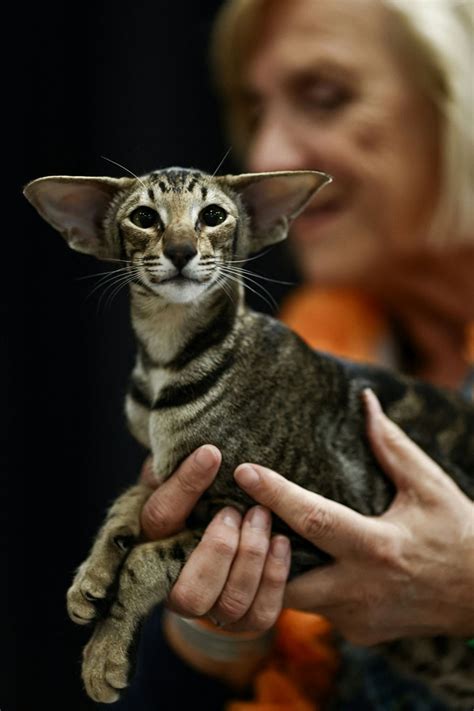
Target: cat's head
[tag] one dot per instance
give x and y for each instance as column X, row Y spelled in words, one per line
column 176, row 228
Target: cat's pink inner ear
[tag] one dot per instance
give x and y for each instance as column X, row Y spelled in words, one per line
column 274, row 199
column 76, row 207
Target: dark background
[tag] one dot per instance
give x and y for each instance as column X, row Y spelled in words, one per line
column 130, row 82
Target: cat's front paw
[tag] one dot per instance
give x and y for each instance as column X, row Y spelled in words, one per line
column 106, row 667
column 88, row 592
column 91, row 590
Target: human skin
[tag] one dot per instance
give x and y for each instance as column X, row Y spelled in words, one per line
column 394, row 575
column 327, row 88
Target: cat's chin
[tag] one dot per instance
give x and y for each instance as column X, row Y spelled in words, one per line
column 180, row 290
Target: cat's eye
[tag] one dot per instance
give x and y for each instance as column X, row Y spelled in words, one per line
column 144, row 217
column 213, row 215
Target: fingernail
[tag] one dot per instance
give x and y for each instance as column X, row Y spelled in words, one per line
column 259, row 518
column 371, row 401
column 280, row 547
column 215, row 621
column 205, row 458
column 231, row 517
column 247, row 476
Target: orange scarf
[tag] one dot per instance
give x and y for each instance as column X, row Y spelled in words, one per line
column 299, row 674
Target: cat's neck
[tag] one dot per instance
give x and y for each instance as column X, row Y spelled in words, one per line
column 168, row 333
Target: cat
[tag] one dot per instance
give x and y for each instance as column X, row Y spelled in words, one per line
column 208, row 369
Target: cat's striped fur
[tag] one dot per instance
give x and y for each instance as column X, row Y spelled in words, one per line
column 210, row 370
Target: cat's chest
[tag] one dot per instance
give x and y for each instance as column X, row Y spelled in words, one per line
column 159, row 379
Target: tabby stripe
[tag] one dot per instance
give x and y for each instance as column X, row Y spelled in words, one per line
column 204, row 192
column 176, row 396
column 151, row 194
column 212, row 335
column 137, row 394
column 123, row 253
column 163, row 187
column 234, row 239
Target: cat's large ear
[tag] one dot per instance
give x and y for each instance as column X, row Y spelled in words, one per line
column 76, row 207
column 274, row 199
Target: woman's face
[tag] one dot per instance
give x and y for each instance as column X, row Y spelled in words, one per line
column 327, row 89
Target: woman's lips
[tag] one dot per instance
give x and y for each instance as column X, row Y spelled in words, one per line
column 318, row 215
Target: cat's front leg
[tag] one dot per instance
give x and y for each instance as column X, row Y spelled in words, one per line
column 147, row 576
column 94, row 579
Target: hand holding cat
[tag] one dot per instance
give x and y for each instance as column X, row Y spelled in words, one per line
column 408, row 572
column 236, row 572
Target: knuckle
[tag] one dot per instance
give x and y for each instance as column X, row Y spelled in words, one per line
column 261, row 620
column 387, row 551
column 155, row 516
column 189, row 600
column 220, row 545
column 317, row 523
column 256, row 551
column 190, row 481
column 274, row 495
column 233, row 604
column 275, row 576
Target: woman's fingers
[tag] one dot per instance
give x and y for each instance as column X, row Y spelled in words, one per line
column 166, row 510
column 327, row 524
column 244, row 578
column 235, row 576
column 268, row 601
column 203, row 577
column 401, row 459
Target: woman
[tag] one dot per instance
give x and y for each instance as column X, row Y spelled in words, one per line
column 377, row 94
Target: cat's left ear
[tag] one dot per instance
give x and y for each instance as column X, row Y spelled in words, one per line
column 76, row 207
column 274, row 199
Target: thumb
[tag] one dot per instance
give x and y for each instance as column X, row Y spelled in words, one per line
column 400, row 458
column 167, row 509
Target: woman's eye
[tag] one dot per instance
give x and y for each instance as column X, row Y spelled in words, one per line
column 325, row 95
column 213, row 215
column 144, row 217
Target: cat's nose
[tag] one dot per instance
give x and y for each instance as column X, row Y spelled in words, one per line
column 180, row 253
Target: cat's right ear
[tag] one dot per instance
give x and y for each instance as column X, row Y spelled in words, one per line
column 273, row 200
column 76, row 207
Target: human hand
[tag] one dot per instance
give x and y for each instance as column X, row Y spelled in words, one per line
column 408, row 572
column 236, row 574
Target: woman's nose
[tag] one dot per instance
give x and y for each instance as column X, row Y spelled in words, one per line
column 275, row 147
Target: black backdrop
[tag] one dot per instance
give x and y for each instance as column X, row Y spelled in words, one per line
column 130, row 82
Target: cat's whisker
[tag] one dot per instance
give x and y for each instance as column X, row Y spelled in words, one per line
column 115, row 292
column 109, row 279
column 111, row 283
column 245, row 279
column 222, row 161
column 248, row 272
column 221, row 282
column 127, row 169
column 250, row 259
column 99, row 274
column 112, row 259
column 116, row 288
column 271, row 303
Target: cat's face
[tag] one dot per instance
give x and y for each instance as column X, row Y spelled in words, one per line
column 178, row 231
column 181, row 231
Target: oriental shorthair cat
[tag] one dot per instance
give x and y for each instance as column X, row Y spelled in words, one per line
column 210, row 370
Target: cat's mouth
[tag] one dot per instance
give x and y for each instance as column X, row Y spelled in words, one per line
column 175, row 279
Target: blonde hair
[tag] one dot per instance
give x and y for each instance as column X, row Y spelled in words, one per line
column 439, row 34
